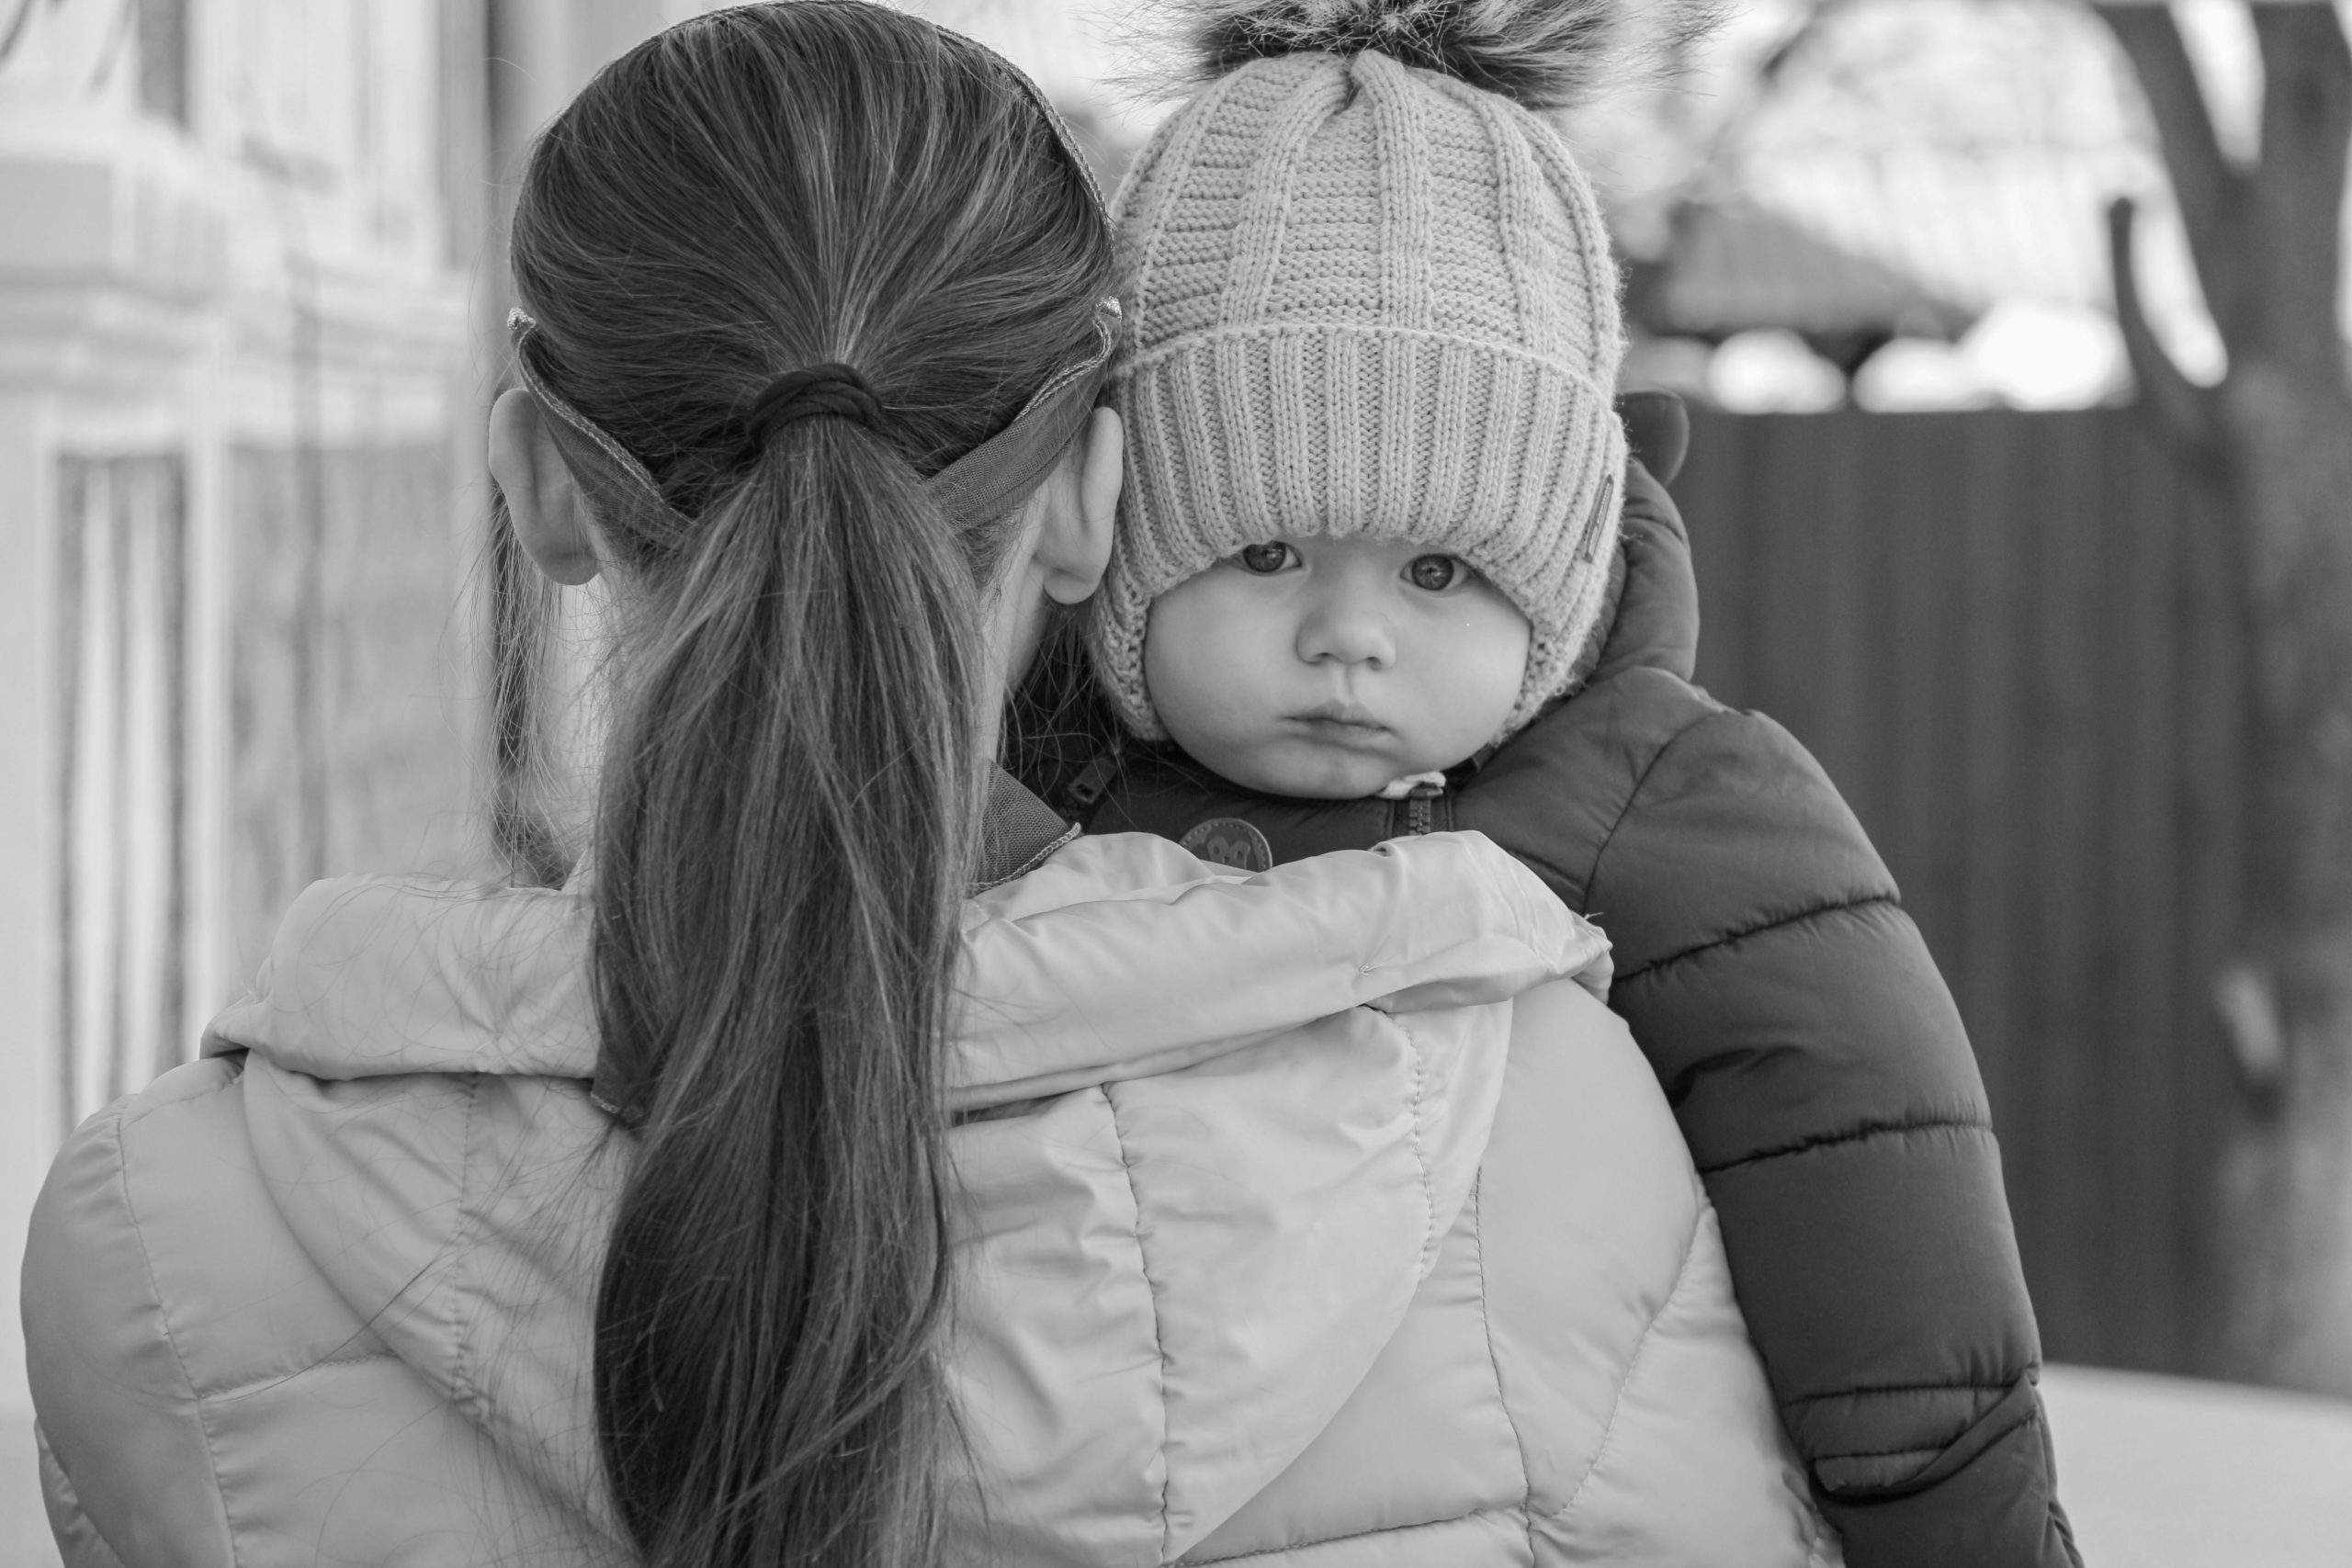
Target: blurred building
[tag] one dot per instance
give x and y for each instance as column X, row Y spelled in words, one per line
column 1730, row 267
column 1919, row 183
column 242, row 291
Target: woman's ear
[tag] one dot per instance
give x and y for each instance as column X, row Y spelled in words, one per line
column 1074, row 546
column 549, row 523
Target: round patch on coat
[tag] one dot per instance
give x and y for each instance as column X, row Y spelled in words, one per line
column 1229, row 841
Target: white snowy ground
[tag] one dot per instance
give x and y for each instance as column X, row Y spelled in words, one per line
column 2173, row 1473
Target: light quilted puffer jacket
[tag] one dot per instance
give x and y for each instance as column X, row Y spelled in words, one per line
column 1283, row 1233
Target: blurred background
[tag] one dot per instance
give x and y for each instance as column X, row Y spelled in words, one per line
column 2021, row 489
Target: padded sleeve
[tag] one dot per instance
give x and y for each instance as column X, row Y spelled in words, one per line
column 128, row 1467
column 1824, row 1083
column 1656, row 622
column 78, row 1540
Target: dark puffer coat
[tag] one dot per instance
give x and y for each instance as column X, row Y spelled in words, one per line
column 1811, row 1052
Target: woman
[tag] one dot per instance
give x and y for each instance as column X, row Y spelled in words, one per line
column 615, row 1223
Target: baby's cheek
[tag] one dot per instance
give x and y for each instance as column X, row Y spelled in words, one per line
column 1195, row 659
column 1471, row 677
column 1498, row 662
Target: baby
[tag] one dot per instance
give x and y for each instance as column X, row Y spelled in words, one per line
column 1369, row 561
column 1335, row 666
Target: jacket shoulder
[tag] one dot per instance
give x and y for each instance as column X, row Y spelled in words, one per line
column 168, row 1312
column 1673, row 821
column 207, row 1394
column 1731, row 827
column 114, row 1385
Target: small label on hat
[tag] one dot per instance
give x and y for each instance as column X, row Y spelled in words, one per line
column 1229, row 841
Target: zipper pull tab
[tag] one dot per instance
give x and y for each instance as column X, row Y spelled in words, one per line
column 1417, row 809
column 1086, row 790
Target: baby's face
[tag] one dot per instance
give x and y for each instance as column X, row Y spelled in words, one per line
column 1325, row 668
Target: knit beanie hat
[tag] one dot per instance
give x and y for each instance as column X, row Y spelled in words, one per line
column 1370, row 292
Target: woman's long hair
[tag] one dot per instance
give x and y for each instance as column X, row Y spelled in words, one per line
column 787, row 814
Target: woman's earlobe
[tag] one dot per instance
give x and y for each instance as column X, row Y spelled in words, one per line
column 541, row 501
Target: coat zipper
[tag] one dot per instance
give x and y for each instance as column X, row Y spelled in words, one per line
column 1419, row 809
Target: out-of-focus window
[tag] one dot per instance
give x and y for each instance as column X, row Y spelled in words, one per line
column 162, row 27
column 122, row 774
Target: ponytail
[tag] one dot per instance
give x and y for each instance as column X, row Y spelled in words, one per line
column 787, row 821
column 789, row 809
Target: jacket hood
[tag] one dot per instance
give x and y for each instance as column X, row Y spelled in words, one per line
column 1122, row 957
column 1230, row 1120
column 1655, row 624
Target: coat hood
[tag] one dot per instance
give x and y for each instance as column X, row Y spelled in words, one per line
column 1215, row 1129
column 1120, row 956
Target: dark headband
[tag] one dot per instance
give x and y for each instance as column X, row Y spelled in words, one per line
column 981, row 486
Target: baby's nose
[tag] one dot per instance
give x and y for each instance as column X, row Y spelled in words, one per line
column 1342, row 629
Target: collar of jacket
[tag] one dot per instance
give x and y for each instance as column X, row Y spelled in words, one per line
column 1117, row 957
column 1018, row 833
column 386, row 973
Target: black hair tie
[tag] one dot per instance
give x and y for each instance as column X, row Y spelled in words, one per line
column 832, row 390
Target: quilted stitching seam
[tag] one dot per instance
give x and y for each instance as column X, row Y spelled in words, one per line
column 164, row 1317
column 1151, row 1292
column 1068, row 836
column 1841, row 905
column 1420, row 1156
column 1858, row 1135
column 1494, row 1364
column 1354, row 1535
column 1957, row 1385
column 1633, row 1365
column 1641, row 782
column 469, row 1398
column 65, row 1500
column 1928, row 1452
column 255, row 1385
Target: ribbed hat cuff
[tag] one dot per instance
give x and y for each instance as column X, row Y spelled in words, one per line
column 1510, row 461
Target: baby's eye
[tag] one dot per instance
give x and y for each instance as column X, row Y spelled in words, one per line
column 1263, row 559
column 1435, row 573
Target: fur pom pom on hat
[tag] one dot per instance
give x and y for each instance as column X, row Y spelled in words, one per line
column 1370, row 292
column 1540, row 54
